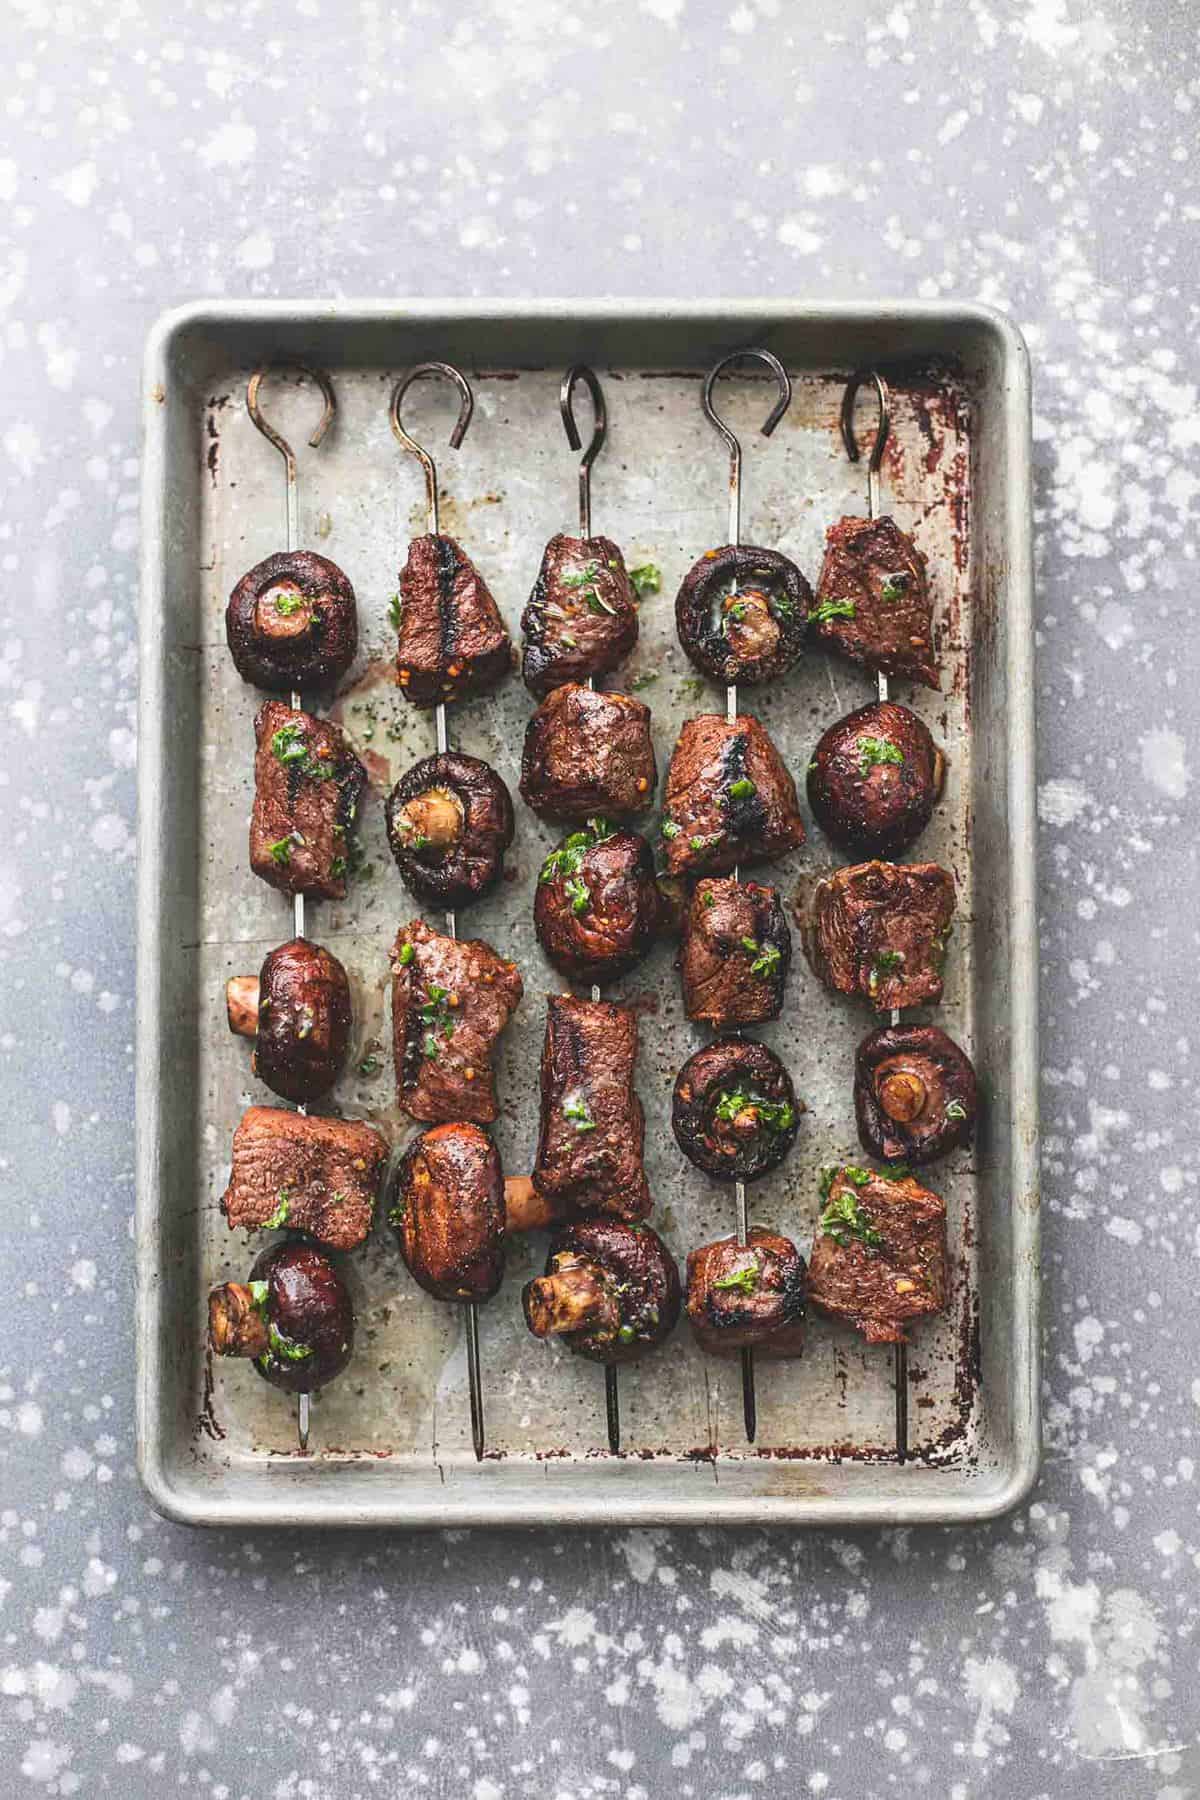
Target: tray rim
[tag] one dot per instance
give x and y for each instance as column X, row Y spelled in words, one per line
column 189, row 1503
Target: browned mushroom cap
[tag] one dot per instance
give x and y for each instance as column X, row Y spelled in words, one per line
column 751, row 1295
column 292, row 622
column 610, row 1289
column 449, row 822
column 448, row 1212
column 875, row 778
column 597, row 906
column 298, row 1012
column 915, row 1094
column 734, row 1111
column 293, row 1316
column 742, row 613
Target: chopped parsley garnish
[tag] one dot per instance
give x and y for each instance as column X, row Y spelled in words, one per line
column 338, row 867
column 701, row 842
column 626, row 1334
column 885, row 961
column 338, row 1197
column 435, row 1013
column 281, row 850
column 370, row 1064
column 895, row 1171
column 859, row 1177
column 956, row 1110
column 287, row 604
column 289, row 746
column 598, row 604
column 873, row 750
column 258, row 1293
column 394, row 610
column 577, row 892
column 407, row 952
column 781, row 605
column 766, row 957
column 774, row 1115
column 646, row 579
column 735, row 613
column 284, row 1348
column 568, row 858
column 843, row 1219
column 692, row 685
column 745, row 1278
column 574, row 1107
column 669, row 828
column 831, row 609
column 894, row 585
column 741, row 788
column 579, row 578
column 642, row 681
column 279, row 1216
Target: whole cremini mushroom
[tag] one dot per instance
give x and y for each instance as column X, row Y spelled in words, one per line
column 449, row 822
column 875, row 778
column 292, row 1317
column 292, row 623
column 915, row 1094
column 610, row 1290
column 734, row 1111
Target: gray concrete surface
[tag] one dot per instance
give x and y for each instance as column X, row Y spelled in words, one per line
column 1040, row 155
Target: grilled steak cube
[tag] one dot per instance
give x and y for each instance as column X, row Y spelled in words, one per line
column 315, row 1175
column 597, row 907
column 588, row 753
column 448, row 1213
column 589, row 1154
column 879, row 1254
column 735, row 953
column 451, row 999
column 451, row 639
column 879, row 929
column 307, row 785
column 729, row 799
column 873, row 600
column 581, row 619
column 747, row 1296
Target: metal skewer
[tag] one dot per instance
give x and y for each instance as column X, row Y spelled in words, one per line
column 581, row 372
column 465, row 410
column 874, row 464
column 292, row 533
column 749, row 1397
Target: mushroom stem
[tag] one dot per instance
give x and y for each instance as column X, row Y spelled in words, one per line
column 902, row 1095
column 236, row 1327
column 524, row 1208
column 569, row 1300
column 294, row 619
column 436, row 815
column 241, row 1005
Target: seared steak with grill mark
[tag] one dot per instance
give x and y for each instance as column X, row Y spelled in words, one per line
column 452, row 640
column 588, row 753
column 729, row 798
column 448, row 1213
column 451, row 999
column 581, row 619
column 747, row 1296
column 589, row 1154
column 879, row 1254
column 735, row 953
column 307, row 785
column 315, row 1175
column 873, row 600
column 879, row 929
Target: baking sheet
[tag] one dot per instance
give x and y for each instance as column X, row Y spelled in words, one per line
column 396, row 1424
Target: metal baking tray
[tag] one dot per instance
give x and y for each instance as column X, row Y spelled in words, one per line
column 391, row 1439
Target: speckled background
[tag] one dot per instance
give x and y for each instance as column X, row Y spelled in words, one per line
column 1038, row 155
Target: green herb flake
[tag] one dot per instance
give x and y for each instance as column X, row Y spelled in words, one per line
column 843, row 1219
column 285, row 1348
column 646, row 579
column 429, row 1048
column 407, row 952
column 370, row 1065
column 956, row 1110
column 744, row 1279
column 288, row 745
column 669, row 828
column 597, row 603
column 773, row 1115
column 574, row 1108
column 568, row 858
column 895, row 1171
column 885, row 961
column 893, row 586
column 642, row 681
column 279, row 1216
column 394, row 611
column 338, row 867
column 577, row 892
column 287, row 604
column 626, row 1334
column 741, row 788
column 258, row 1293
column 280, row 851
column 691, row 686
column 766, row 958
column 873, row 750
column 338, row 1197
column 859, row 1177
column 579, row 578
column 831, row 609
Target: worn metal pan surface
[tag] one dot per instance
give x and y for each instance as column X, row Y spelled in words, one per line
column 391, row 1440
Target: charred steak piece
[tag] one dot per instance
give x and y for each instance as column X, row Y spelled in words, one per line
column 448, row 1213
column 597, row 906
column 734, row 1111
column 581, row 619
column 742, row 613
column 873, row 600
column 747, row 1296
column 298, row 1013
column 307, row 785
column 315, row 1175
column 449, row 822
column 451, row 999
column 729, row 799
column 879, row 929
column 452, row 640
column 875, row 778
column 879, row 1253
column 292, row 622
column 611, row 1290
column 293, row 1316
column 735, row 954
column 588, row 753
column 589, row 1154
column 915, row 1094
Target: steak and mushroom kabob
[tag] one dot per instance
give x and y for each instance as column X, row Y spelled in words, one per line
column 741, row 615
column 292, row 625
column 449, row 822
